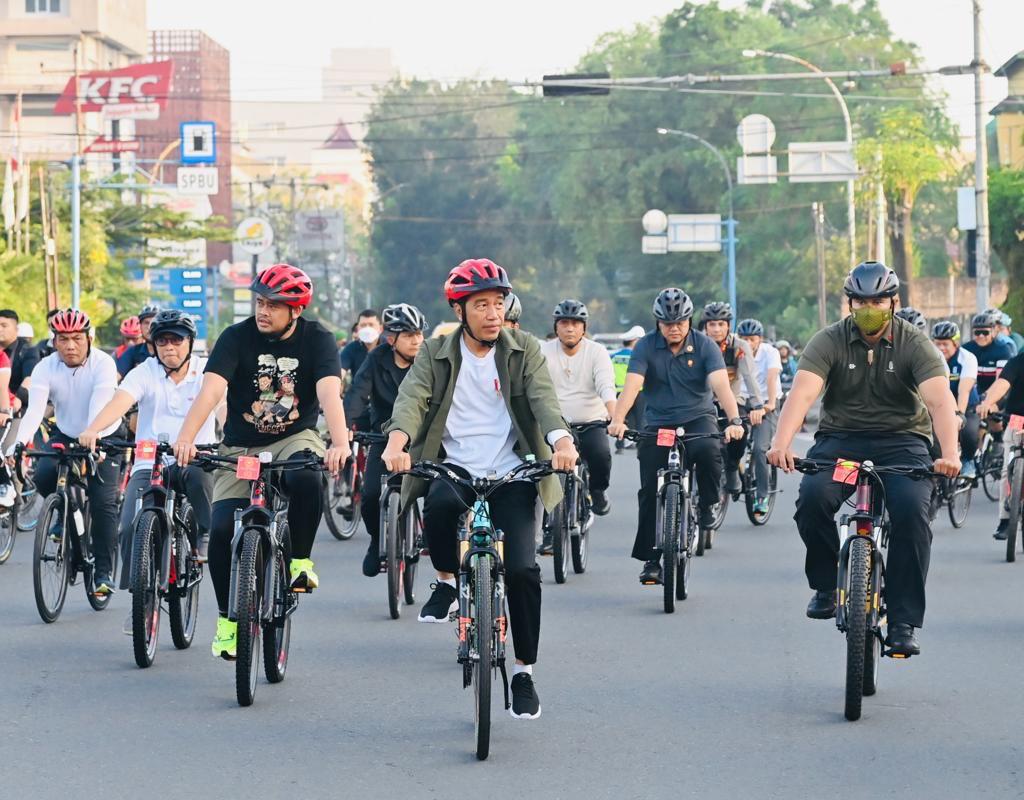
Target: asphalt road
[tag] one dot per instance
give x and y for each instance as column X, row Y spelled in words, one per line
column 735, row 695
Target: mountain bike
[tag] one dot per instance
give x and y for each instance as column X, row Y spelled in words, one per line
column 401, row 544
column 261, row 599
column 677, row 530
column 63, row 544
column 569, row 522
column 343, row 494
column 989, row 459
column 748, row 477
column 1015, row 475
column 8, row 514
column 860, row 607
column 483, row 623
column 165, row 566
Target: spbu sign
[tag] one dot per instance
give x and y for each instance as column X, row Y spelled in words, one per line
column 138, row 84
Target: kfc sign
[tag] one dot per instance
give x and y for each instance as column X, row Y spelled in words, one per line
column 138, row 84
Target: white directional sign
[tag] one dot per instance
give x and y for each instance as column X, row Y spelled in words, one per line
column 694, row 233
column 198, row 180
column 254, row 235
column 821, row 162
column 756, row 134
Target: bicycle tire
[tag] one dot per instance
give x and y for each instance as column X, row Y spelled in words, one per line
column 580, row 542
column 146, row 548
column 670, row 545
column 1016, row 479
column 483, row 616
column 857, row 618
column 183, row 610
column 8, row 531
column 686, row 542
column 413, row 535
column 28, row 512
column 277, row 636
column 561, row 547
column 51, row 513
column 720, row 508
column 873, row 645
column 555, row 523
column 250, row 594
column 992, row 469
column 334, row 493
column 959, row 502
column 350, row 526
column 748, row 499
column 394, row 559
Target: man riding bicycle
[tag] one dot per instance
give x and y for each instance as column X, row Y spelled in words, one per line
column 767, row 369
column 274, row 366
column 1009, row 385
column 678, row 368
column 963, row 376
column 881, row 378
column 164, row 387
column 134, row 355
column 78, row 379
column 481, row 399
column 375, row 386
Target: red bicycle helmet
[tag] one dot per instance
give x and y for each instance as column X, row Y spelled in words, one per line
column 131, row 327
column 284, row 283
column 70, row 320
column 475, row 275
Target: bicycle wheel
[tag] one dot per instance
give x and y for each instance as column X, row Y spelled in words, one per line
column 483, row 616
column 31, row 505
column 857, row 618
column 1016, row 478
column 146, row 554
column 51, row 561
column 336, row 495
column 959, row 501
column 250, row 596
column 351, row 525
column 718, row 510
column 757, row 518
column 992, row 469
column 277, row 637
column 560, row 541
column 873, row 645
column 670, row 544
column 8, row 531
column 183, row 605
column 393, row 556
column 579, row 541
column 687, row 528
column 413, row 537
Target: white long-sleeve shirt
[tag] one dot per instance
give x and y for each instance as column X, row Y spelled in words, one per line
column 77, row 394
column 583, row 382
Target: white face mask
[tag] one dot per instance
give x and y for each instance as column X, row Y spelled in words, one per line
column 368, row 335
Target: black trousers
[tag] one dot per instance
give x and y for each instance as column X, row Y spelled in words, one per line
column 706, row 454
column 596, row 453
column 970, row 433
column 304, row 488
column 910, row 537
column 103, row 499
column 370, row 508
column 513, row 510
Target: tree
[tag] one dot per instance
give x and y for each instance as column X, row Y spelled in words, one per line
column 1006, row 224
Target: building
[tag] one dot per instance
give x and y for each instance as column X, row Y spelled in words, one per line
column 1009, row 116
column 39, row 45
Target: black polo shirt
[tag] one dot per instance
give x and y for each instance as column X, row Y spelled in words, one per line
column 676, row 388
column 375, row 385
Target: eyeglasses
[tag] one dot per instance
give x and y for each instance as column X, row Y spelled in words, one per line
column 168, row 338
column 671, row 325
column 982, row 332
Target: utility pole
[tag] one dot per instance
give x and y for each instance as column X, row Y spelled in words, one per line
column 980, row 165
column 818, row 214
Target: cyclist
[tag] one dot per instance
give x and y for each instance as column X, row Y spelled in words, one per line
column 963, row 375
column 678, row 368
column 1002, row 329
column 581, row 372
column 131, row 335
column 881, row 377
column 767, row 369
column 7, row 491
column 513, row 311
column 715, row 322
column 23, row 356
column 992, row 355
column 484, row 395
column 136, row 354
column 1010, row 385
column 78, row 380
column 274, row 366
column 620, row 364
column 164, row 388
column 788, row 361
column 914, row 317
column 375, row 387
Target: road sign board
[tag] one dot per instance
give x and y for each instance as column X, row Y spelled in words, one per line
column 966, row 208
column 821, row 162
column 198, row 143
column 654, row 244
column 198, row 180
column 254, row 235
column 105, row 145
column 694, row 233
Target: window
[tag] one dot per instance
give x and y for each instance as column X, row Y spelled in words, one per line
column 42, row 6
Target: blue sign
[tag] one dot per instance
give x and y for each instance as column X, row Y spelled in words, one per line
column 187, row 288
column 198, row 143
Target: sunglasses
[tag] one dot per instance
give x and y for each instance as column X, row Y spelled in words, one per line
column 168, row 338
column 982, row 332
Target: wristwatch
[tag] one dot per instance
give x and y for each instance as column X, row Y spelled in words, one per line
column 736, row 421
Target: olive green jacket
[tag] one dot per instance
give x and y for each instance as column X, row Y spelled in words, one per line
column 425, row 398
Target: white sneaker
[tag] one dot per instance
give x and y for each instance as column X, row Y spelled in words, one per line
column 7, row 495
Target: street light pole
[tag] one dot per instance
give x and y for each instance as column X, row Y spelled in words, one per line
column 850, row 185
column 730, row 224
column 980, row 167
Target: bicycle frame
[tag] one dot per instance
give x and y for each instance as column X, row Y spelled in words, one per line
column 675, row 472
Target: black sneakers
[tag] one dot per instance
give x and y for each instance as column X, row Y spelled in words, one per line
column 1000, row 533
column 547, row 544
column 371, row 561
column 822, row 605
column 650, row 575
column 525, row 703
column 902, row 639
column 599, row 503
column 443, row 601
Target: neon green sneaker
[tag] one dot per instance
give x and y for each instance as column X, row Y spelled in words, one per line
column 303, row 577
column 225, row 643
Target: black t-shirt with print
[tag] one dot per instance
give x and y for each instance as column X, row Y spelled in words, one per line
column 272, row 384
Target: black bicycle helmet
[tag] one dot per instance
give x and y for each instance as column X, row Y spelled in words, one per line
column 984, row 319
column 570, row 309
column 914, row 317
column 148, row 311
column 716, row 310
column 946, row 330
column 513, row 308
column 171, row 320
column 402, row 317
column 749, row 327
column 672, row 305
column 871, row 279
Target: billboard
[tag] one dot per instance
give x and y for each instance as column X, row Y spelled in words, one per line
column 139, row 84
column 321, row 231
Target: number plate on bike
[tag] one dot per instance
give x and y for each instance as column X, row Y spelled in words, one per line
column 248, row 468
column 666, row 437
column 1016, row 422
column 145, row 450
column 845, row 472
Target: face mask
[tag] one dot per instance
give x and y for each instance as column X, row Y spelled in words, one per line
column 367, row 335
column 871, row 320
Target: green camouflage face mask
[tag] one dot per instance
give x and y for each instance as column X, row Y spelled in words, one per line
column 871, row 320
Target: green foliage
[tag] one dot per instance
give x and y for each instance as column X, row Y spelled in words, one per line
column 1006, row 223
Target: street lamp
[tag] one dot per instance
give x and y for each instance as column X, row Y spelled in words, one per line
column 850, row 188
column 730, row 224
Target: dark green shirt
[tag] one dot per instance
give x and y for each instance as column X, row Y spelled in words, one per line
column 873, row 388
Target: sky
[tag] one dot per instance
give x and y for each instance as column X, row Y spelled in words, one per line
column 278, row 48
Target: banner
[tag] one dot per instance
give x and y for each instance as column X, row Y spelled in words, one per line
column 144, row 84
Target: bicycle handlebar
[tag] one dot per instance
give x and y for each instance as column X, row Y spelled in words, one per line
column 583, row 427
column 368, row 437
column 209, row 461
column 636, row 436
column 810, row 466
column 431, row 470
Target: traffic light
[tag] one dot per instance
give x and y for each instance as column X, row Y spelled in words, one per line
column 566, row 89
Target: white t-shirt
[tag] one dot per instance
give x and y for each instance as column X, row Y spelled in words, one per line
column 77, row 394
column 583, row 382
column 163, row 404
column 968, row 364
column 767, row 357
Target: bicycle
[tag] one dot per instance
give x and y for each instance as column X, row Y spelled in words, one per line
column 569, row 522
column 955, row 495
column 482, row 620
column 989, row 459
column 400, row 545
column 748, row 477
column 343, row 494
column 261, row 599
column 861, row 610
column 1015, row 475
column 8, row 514
column 677, row 530
column 63, row 542
column 164, row 566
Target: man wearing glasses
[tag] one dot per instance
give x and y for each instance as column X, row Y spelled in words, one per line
column 991, row 353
